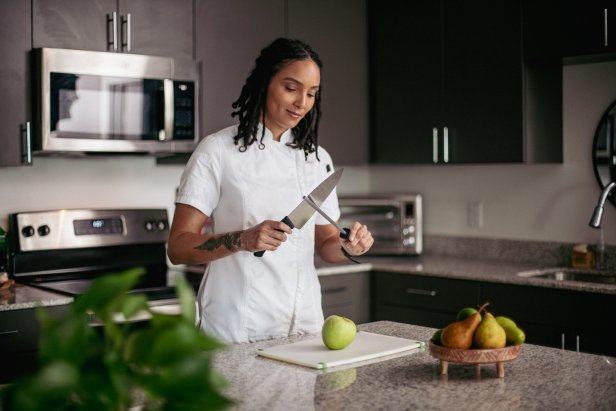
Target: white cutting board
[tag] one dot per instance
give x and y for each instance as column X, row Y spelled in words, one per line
column 313, row 353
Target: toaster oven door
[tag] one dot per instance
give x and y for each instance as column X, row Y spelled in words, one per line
column 383, row 221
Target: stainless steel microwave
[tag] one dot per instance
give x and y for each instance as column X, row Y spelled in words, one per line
column 395, row 221
column 98, row 102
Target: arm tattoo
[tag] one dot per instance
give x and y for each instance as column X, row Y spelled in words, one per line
column 230, row 241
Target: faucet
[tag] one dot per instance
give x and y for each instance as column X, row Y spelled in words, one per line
column 595, row 221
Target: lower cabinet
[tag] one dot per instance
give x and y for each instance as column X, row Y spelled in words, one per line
column 347, row 295
column 421, row 300
column 567, row 319
column 571, row 320
column 19, row 338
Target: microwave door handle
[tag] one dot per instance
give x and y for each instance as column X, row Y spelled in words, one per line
column 169, row 110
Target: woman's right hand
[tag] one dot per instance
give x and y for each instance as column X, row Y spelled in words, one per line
column 266, row 236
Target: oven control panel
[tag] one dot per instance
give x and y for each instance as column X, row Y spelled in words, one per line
column 65, row 229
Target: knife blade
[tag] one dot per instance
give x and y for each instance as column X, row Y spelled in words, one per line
column 302, row 213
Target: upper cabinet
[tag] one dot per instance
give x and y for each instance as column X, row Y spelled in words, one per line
column 154, row 27
column 15, row 44
column 589, row 27
column 449, row 85
column 230, row 34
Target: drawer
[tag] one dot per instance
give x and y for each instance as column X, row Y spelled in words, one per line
column 344, row 288
column 20, row 329
column 347, row 295
column 440, row 294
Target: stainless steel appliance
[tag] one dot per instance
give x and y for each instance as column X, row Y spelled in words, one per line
column 97, row 102
column 64, row 250
column 395, row 221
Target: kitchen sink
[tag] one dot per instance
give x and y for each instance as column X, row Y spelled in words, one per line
column 572, row 274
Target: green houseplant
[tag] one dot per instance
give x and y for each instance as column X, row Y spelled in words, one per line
column 164, row 364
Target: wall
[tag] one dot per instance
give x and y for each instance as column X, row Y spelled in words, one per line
column 538, row 202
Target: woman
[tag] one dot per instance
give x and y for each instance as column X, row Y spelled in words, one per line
column 247, row 177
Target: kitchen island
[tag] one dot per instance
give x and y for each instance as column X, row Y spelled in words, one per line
column 540, row 378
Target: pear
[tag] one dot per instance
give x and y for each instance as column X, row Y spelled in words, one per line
column 460, row 333
column 489, row 333
column 515, row 335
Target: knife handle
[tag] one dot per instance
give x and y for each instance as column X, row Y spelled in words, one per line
column 288, row 222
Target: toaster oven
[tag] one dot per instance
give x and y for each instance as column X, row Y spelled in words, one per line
column 395, row 221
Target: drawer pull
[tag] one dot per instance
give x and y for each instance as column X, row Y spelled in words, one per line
column 334, row 290
column 418, row 291
column 2, row 333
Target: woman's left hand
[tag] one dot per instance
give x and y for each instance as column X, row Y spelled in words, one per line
column 360, row 240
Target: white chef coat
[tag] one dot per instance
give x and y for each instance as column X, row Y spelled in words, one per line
column 243, row 298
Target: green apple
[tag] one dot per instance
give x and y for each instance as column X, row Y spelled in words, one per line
column 338, row 332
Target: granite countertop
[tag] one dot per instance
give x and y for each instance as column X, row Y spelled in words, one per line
column 19, row 296
column 540, row 378
column 463, row 268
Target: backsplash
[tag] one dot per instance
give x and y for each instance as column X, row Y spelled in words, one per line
column 544, row 253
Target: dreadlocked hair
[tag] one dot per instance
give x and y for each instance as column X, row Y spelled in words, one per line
column 252, row 100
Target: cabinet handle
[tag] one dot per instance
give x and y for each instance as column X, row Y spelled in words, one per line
column 577, row 343
column 435, row 145
column 562, row 341
column 126, row 23
column 11, row 332
column 113, row 20
column 418, row 291
column 446, row 144
column 334, row 290
column 605, row 27
column 26, row 132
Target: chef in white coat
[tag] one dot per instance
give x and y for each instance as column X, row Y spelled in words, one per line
column 247, row 177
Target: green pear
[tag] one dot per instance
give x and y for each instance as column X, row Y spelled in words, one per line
column 489, row 333
column 464, row 313
column 436, row 337
column 515, row 335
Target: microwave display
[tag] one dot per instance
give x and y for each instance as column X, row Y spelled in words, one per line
column 116, row 108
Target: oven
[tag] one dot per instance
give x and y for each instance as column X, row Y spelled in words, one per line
column 65, row 250
column 395, row 221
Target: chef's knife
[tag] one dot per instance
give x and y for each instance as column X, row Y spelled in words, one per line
column 302, row 213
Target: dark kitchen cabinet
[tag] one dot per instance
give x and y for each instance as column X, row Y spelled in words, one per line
column 340, row 39
column 421, row 300
column 15, row 32
column 572, row 320
column 589, row 27
column 449, row 84
column 154, row 27
column 229, row 36
column 20, row 333
column 347, row 295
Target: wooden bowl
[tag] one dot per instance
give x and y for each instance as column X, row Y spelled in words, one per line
column 498, row 356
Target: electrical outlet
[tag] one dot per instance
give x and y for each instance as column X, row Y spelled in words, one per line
column 474, row 214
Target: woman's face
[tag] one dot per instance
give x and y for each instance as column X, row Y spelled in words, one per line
column 291, row 95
